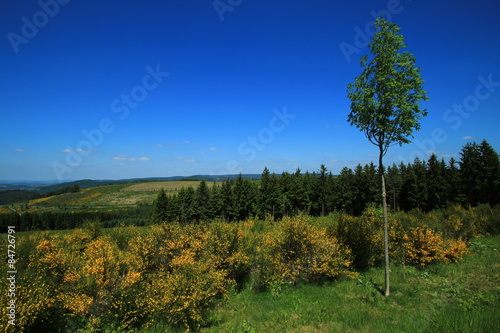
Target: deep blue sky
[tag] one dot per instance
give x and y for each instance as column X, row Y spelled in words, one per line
column 252, row 84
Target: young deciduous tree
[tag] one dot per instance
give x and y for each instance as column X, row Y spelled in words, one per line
column 385, row 100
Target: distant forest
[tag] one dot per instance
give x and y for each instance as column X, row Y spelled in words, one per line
column 424, row 185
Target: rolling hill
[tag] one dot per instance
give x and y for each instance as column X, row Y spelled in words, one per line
column 112, row 196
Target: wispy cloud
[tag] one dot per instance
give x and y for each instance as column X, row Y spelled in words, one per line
column 66, row 150
column 127, row 158
column 435, row 152
column 467, row 137
column 212, row 148
column 18, row 149
column 187, row 159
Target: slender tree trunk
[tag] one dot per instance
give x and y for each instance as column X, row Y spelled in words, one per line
column 386, row 232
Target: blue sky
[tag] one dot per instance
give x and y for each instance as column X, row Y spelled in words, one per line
column 125, row 89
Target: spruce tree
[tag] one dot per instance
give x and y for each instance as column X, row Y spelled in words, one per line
column 160, row 208
column 202, row 199
column 490, row 174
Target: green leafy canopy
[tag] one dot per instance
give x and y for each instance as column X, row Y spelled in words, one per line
column 385, row 97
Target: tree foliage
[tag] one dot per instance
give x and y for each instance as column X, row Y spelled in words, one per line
column 385, row 97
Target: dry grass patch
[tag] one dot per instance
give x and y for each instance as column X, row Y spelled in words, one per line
column 168, row 186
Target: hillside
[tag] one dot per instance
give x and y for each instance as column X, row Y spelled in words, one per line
column 144, row 188
column 10, row 196
column 109, row 196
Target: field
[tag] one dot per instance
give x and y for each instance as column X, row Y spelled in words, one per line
column 113, row 196
column 168, row 186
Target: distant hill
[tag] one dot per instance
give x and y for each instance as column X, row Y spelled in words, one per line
column 24, row 191
column 10, row 196
column 88, row 183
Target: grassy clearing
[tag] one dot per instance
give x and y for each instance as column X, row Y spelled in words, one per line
column 460, row 297
column 122, row 195
column 168, row 186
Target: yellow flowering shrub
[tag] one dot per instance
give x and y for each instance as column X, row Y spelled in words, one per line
column 181, row 297
column 35, row 303
column 185, row 280
column 228, row 249
column 297, row 251
column 423, row 245
column 454, row 250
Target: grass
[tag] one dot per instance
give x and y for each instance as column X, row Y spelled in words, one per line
column 460, row 297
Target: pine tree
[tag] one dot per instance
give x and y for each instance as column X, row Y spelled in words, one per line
column 227, row 201
column 160, row 208
column 437, row 186
column 470, row 173
column 394, row 184
column 346, row 191
column 214, row 207
column 490, row 174
column 186, row 203
column 414, row 186
column 202, row 199
column 299, row 193
column 453, row 178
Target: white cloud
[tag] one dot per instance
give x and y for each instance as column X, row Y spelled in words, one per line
column 430, row 152
column 126, row 158
column 187, row 159
column 186, row 141
column 212, row 148
column 467, row 137
column 66, row 150
column 18, row 149
column 83, row 151
column 120, row 157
